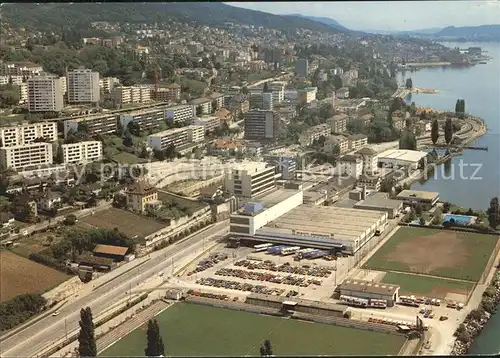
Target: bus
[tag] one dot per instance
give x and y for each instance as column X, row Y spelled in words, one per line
column 290, row 250
column 262, row 247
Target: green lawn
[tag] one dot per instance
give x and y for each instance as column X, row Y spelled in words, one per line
column 422, row 250
column 194, row 330
column 426, row 286
column 127, row 158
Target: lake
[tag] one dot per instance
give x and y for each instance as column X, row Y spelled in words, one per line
column 479, row 86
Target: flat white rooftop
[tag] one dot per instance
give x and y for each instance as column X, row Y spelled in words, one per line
column 412, row 156
column 325, row 221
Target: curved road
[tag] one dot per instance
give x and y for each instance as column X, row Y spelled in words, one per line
column 44, row 333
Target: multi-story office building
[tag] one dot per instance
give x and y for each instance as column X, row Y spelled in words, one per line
column 20, row 156
column 209, row 123
column 302, row 67
column 261, row 101
column 98, row 124
column 286, row 165
column 250, row 180
column 83, row 86
column 183, row 113
column 314, row 133
column 45, row 94
column 82, row 152
column 146, row 119
column 261, row 125
column 176, row 136
column 196, row 134
column 27, row 133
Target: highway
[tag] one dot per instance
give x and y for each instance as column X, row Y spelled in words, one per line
column 44, row 333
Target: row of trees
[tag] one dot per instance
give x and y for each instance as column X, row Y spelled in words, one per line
column 449, row 129
column 460, row 108
column 19, row 309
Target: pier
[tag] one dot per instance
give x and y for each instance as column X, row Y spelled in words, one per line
column 443, row 146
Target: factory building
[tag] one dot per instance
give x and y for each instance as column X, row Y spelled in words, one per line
column 381, row 202
column 369, row 291
column 394, row 158
column 325, row 227
column 264, row 210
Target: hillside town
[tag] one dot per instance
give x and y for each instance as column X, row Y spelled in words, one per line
column 187, row 162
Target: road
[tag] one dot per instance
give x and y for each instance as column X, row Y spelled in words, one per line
column 45, row 332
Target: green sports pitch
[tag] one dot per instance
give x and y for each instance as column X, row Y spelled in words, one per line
column 193, row 330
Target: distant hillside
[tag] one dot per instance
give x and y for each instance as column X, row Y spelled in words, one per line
column 325, row 20
column 470, row 31
column 430, row 31
column 53, row 16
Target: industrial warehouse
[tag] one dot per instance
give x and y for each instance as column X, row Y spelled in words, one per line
column 290, row 222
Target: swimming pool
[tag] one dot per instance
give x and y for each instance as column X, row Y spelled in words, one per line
column 462, row 219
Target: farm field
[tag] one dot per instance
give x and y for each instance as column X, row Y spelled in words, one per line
column 126, row 222
column 195, row 330
column 432, row 287
column 443, row 253
column 19, row 275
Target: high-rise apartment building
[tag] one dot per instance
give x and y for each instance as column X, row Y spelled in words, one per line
column 83, row 86
column 302, row 67
column 250, row 181
column 45, row 94
column 261, row 125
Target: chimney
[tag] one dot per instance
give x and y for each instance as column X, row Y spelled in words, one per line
column 363, row 192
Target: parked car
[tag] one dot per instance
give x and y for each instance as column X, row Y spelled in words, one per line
column 56, row 313
column 443, row 318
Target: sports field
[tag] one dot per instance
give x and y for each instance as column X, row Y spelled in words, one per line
column 433, row 287
column 193, row 330
column 443, row 253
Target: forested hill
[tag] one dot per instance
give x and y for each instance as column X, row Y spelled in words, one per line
column 45, row 17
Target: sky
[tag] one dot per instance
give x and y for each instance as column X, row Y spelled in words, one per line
column 390, row 16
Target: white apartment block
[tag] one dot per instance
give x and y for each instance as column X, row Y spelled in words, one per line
column 180, row 113
column 82, row 152
column 64, row 84
column 196, row 134
column 45, row 94
column 16, row 80
column 209, row 123
column 22, row 90
column 161, row 140
column 278, row 91
column 98, row 124
column 25, row 155
column 133, row 94
column 250, row 180
column 27, row 133
column 23, row 69
column 146, row 119
column 357, row 141
column 314, row 133
column 83, row 86
column 108, row 83
column 204, row 103
column 350, row 165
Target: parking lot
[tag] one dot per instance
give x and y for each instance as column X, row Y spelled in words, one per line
column 244, row 271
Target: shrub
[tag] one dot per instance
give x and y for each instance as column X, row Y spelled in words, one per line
column 19, row 309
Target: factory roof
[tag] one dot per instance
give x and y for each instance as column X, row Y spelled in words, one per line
column 275, row 197
column 368, row 287
column 324, row 221
column 417, row 194
column 412, row 156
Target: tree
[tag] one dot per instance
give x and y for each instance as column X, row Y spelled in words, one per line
column 438, row 217
column 170, row 151
column 70, row 219
column 144, row 153
column 418, row 209
column 408, row 141
column 337, row 82
column 86, row 340
column 199, row 110
column 409, row 83
column 435, row 131
column 448, row 131
column 266, row 88
column 155, row 346
column 446, row 207
column 266, row 349
column 494, row 213
column 128, row 141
